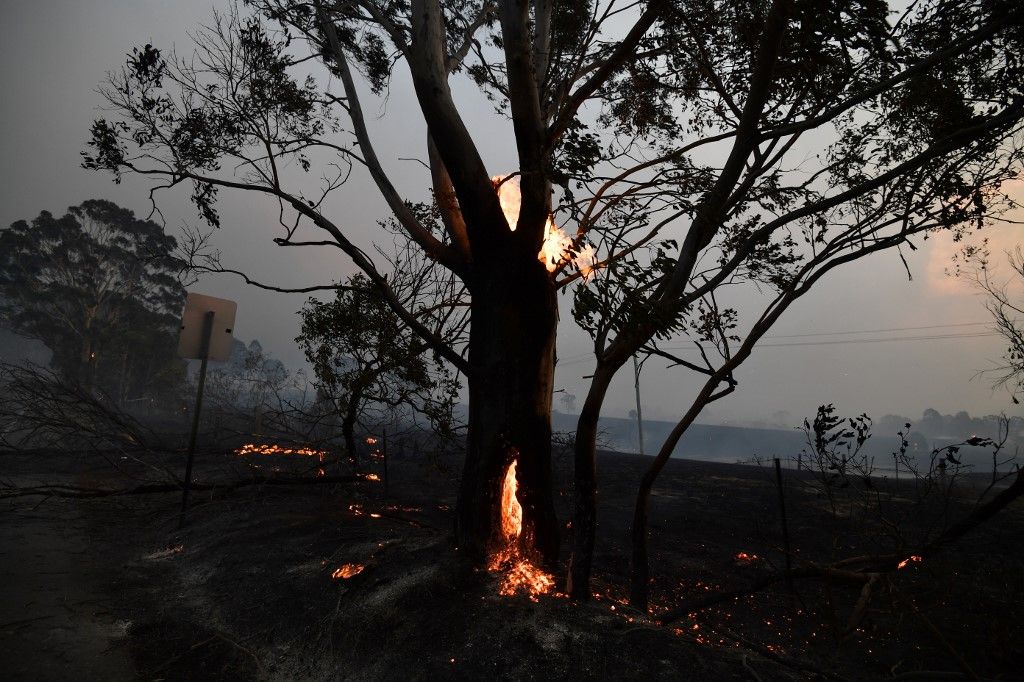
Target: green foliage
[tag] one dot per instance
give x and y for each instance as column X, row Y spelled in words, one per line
column 370, row 365
column 226, row 108
column 99, row 287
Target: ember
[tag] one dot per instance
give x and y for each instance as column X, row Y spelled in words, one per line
column 357, row 510
column 913, row 558
column 346, row 571
column 520, row 573
column 265, row 449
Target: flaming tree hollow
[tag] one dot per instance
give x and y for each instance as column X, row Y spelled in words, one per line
column 690, row 145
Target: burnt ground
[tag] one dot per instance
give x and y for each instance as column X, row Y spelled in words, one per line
column 110, row 589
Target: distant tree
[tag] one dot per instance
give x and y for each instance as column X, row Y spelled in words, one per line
column 569, row 402
column 932, row 422
column 99, row 288
column 247, row 378
column 892, row 423
column 370, row 365
column 1005, row 305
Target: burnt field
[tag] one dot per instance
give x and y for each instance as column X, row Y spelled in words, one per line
column 346, row 580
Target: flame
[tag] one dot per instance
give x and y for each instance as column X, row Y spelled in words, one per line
column 557, row 247
column 586, row 261
column 520, row 575
column 912, row 558
column 266, row 449
column 371, row 477
column 346, row 571
column 511, row 510
column 370, row 440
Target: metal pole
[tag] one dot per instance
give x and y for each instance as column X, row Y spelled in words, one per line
column 639, row 416
column 785, row 526
column 204, row 353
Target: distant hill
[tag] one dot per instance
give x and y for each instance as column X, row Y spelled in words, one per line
column 718, row 443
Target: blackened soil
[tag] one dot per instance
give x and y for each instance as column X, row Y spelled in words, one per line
column 111, row 589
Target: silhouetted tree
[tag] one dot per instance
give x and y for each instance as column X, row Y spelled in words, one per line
column 99, row 287
column 369, row 364
column 1004, row 304
column 691, row 145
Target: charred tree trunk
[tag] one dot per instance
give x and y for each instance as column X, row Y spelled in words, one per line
column 511, row 354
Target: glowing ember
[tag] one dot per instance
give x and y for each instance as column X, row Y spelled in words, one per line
column 370, row 440
column 520, row 575
column 913, row 558
column 371, row 477
column 265, row 449
column 744, row 558
column 557, row 247
column 357, row 510
column 346, row 571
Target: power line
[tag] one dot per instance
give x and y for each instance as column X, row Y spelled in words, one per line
column 837, row 342
column 834, row 342
column 572, row 360
column 878, row 331
column 580, row 357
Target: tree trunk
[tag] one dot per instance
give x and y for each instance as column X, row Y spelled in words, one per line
column 87, row 365
column 511, row 353
column 348, row 424
column 584, row 518
column 639, row 574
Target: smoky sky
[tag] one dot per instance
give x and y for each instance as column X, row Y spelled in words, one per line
column 56, row 53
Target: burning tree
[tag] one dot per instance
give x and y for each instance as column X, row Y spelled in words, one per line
column 690, row 145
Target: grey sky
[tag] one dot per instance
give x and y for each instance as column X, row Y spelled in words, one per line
column 55, row 53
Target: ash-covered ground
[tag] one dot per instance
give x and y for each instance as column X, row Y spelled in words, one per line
column 109, row 588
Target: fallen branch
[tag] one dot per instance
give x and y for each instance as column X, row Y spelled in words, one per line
column 79, row 492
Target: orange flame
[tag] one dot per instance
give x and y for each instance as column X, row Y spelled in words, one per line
column 511, row 510
column 266, row 449
column 557, row 247
column 520, row 575
column 346, row 571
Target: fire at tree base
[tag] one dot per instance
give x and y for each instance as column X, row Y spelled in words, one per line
column 520, row 574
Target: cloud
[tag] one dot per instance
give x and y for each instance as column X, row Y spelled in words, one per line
column 944, row 254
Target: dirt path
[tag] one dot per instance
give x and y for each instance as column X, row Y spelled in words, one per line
column 56, row 616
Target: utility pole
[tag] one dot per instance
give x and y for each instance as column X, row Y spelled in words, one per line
column 639, row 415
